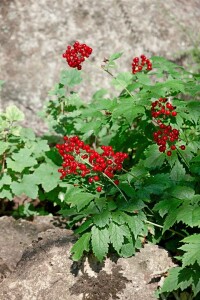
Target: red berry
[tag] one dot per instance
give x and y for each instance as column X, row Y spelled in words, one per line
column 169, row 153
column 90, row 180
column 96, row 178
column 173, row 147
column 182, row 147
column 116, row 181
column 99, row 189
column 174, row 113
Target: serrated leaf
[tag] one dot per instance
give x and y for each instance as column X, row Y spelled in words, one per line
column 181, row 192
column 128, row 110
column 71, row 77
column 178, row 172
column 171, row 283
column 167, row 205
column 127, row 249
column 117, row 234
column 115, row 56
column 135, row 225
column 100, row 242
column 154, row 158
column 189, row 215
column 13, row 114
column 83, row 244
column 84, row 226
column 192, row 249
column 3, row 147
column 47, row 175
column 26, row 186
column 21, row 160
column 5, row 180
column 119, row 217
column 143, row 78
column 102, row 219
column 6, row 193
column 80, row 199
column 122, row 80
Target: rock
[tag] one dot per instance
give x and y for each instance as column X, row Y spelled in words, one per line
column 15, row 236
column 34, row 36
column 45, row 271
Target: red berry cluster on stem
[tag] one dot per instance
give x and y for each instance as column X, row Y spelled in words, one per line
column 166, row 137
column 81, row 160
column 75, row 55
column 141, row 62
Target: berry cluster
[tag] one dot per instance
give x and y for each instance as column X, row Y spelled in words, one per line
column 166, row 135
column 76, row 54
column 139, row 63
column 81, row 160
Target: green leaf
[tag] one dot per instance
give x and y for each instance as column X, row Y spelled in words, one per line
column 122, row 80
column 189, row 215
column 119, row 217
column 117, row 234
column 26, row 186
column 115, row 56
column 100, row 242
column 84, row 226
column 3, row 147
column 192, row 249
column 127, row 249
column 13, row 114
column 83, row 244
column 171, row 283
column 178, row 172
column 5, row 180
column 154, row 158
column 71, row 77
column 46, row 175
column 135, row 225
column 6, row 194
column 80, row 199
column 181, row 192
column 102, row 219
column 21, row 160
column 128, row 110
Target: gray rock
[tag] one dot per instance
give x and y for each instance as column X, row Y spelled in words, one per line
column 34, row 35
column 15, row 236
column 45, row 271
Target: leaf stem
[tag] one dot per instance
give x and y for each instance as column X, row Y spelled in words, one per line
column 160, row 226
column 107, row 71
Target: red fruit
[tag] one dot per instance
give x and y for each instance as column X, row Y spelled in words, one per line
column 99, row 189
column 96, row 178
column 182, row 147
column 174, row 113
column 173, row 147
column 90, row 180
column 116, row 181
column 169, row 153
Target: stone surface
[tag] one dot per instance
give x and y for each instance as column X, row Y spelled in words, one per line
column 15, row 236
column 45, row 271
column 34, row 35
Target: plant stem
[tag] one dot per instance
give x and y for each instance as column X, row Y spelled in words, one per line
column 107, row 71
column 160, row 226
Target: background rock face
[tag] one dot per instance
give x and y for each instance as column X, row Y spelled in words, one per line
column 37, row 266
column 34, row 35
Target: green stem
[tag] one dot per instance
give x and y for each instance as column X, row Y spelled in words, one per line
column 107, row 71
column 160, row 226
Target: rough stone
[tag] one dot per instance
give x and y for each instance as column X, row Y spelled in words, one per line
column 46, row 272
column 33, row 36
column 15, row 236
